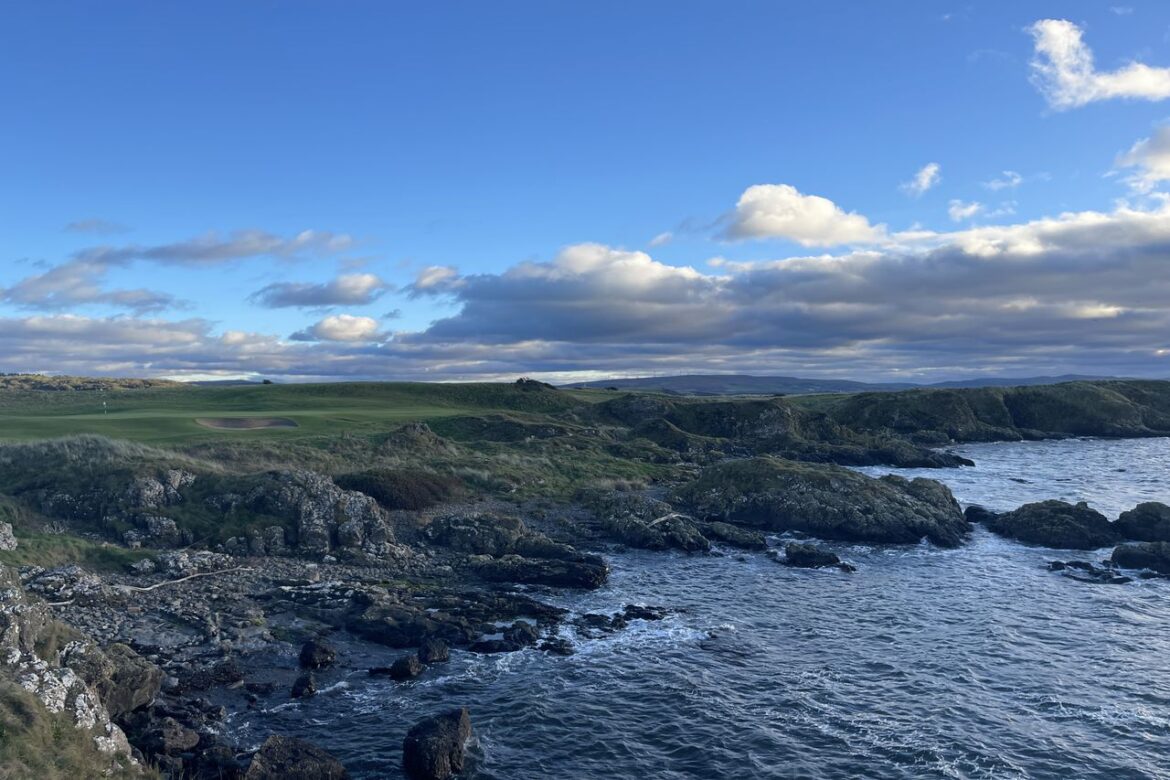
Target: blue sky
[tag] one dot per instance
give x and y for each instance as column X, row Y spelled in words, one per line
column 253, row 188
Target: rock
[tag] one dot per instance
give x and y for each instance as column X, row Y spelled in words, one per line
column 315, row 654
column 1154, row 556
column 433, row 651
column 143, row 567
column 7, row 538
column 492, row 646
column 830, row 502
column 168, row 737
column 406, row 668
column 646, row 523
column 734, row 536
column 1056, row 524
column 807, row 556
column 494, row 535
column 522, row 634
column 1083, row 571
column 219, row 762
column 979, row 514
column 286, row 758
column 1148, row 522
column 557, row 646
column 589, row 572
column 123, row 680
column 433, row 748
column 642, row 612
column 305, row 686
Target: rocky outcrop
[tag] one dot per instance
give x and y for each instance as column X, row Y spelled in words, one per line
column 1154, row 556
column 588, row 571
column 122, row 679
column 1148, row 522
column 826, row 501
column 1084, row 571
column 1056, row 524
column 434, row 747
column 808, row 556
column 286, row 758
column 494, row 535
column 7, row 538
column 646, row 523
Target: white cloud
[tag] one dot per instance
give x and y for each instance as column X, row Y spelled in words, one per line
column 81, row 283
column 1151, row 159
column 662, row 239
column 346, row 289
column 1009, row 180
column 1064, row 72
column 782, row 211
column 926, row 178
column 959, row 210
column 341, row 327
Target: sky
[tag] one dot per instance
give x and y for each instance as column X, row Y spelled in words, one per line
column 298, row 190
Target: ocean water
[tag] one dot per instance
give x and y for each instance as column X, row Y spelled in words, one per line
column 924, row 663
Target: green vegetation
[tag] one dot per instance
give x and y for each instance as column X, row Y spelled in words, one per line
column 50, row 550
column 40, row 744
column 403, row 488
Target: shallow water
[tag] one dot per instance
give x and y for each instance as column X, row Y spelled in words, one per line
column 969, row 663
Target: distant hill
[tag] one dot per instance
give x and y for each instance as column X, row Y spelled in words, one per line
column 744, row 384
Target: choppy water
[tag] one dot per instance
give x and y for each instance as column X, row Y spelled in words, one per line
column 969, row 663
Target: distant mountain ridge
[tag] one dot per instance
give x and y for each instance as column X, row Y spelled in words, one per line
column 749, row 384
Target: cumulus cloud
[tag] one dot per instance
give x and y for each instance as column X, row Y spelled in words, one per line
column 1150, row 157
column 344, row 290
column 927, row 177
column 213, row 248
column 341, row 327
column 1064, row 72
column 782, row 211
column 959, row 210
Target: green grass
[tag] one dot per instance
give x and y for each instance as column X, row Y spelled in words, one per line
column 51, row 550
column 167, row 415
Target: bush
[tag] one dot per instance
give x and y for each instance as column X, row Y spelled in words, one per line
column 403, row 488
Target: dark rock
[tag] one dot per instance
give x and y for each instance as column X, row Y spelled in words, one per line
column 1056, row 524
column 305, row 685
column 979, row 514
column 807, row 556
column 827, row 501
column 589, row 572
column 169, row 737
column 1148, row 522
column 286, row 758
column 640, row 612
column 260, row 688
column 406, row 668
column 1083, row 571
column 433, row 748
column 490, row 646
column 557, row 646
column 433, row 651
column 522, row 634
column 1154, row 556
column 315, row 654
column 124, row 681
column 736, row 537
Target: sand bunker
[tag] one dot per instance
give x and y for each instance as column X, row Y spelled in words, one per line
column 245, row 423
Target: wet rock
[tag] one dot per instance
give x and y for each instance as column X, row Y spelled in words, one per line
column 1148, row 522
column 406, row 668
column 589, row 572
column 493, row 646
column 1083, row 571
column 434, row 747
column 1056, row 524
column 286, row 758
column 305, row 686
column 642, row 612
column 433, row 651
column 732, row 535
column 522, row 634
column 979, row 514
column 218, row 762
column 827, row 501
column 807, row 556
column 168, row 737
column 557, row 646
column 646, row 523
column 1154, row 556
column 316, row 654
column 7, row 538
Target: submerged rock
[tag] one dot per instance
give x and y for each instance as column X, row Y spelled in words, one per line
column 433, row 651
column 305, row 686
column 1083, row 571
column 315, row 654
column 434, row 747
column 827, row 501
column 406, row 668
column 1154, row 556
column 286, row 758
column 1148, row 522
column 1056, row 524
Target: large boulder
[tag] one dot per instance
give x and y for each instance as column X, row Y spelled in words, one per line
column 647, row 523
column 588, row 572
column 434, row 747
column 1058, row 524
column 830, row 502
column 316, row 654
column 808, row 556
column 1154, row 556
column 1148, row 522
column 286, row 758
column 124, row 680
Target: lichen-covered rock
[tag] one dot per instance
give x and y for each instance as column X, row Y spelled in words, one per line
column 826, row 501
column 155, row 492
column 1148, row 522
column 323, row 518
column 434, row 747
column 286, row 758
column 123, row 680
column 1056, row 524
column 7, row 538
